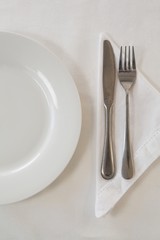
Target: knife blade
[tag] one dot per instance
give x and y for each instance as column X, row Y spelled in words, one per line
column 109, row 76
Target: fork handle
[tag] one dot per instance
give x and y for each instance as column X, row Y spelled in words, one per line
column 127, row 164
column 108, row 166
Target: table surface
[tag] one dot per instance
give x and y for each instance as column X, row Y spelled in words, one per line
column 71, row 29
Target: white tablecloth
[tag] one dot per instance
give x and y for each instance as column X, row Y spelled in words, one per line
column 71, row 29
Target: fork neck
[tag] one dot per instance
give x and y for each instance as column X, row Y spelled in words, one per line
column 108, row 103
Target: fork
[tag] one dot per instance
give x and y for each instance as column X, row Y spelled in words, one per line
column 127, row 76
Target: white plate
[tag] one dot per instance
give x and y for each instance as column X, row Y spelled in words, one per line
column 40, row 117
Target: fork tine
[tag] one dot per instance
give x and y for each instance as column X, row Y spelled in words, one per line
column 133, row 59
column 120, row 61
column 129, row 62
column 125, row 58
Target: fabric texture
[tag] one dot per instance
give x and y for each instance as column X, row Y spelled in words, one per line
column 144, row 134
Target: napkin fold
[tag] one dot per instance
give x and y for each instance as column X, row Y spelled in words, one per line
column 144, row 133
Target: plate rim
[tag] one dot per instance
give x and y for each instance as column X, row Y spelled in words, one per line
column 61, row 64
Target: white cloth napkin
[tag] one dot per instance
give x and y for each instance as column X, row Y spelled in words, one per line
column 144, row 132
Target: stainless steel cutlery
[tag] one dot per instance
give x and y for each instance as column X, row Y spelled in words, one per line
column 127, row 77
column 109, row 76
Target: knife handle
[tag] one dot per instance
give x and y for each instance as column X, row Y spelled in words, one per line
column 108, row 165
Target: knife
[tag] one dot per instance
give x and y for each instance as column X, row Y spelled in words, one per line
column 109, row 76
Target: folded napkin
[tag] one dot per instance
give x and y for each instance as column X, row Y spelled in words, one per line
column 144, row 133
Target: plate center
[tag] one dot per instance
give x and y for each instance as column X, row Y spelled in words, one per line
column 24, row 117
